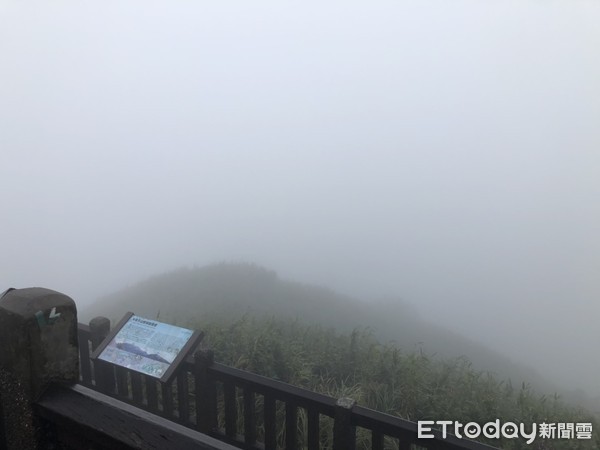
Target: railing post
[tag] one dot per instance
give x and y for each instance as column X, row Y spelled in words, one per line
column 99, row 329
column 38, row 332
column 344, row 434
column 249, row 417
column 206, row 392
column 104, row 374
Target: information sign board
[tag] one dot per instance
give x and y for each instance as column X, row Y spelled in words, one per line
column 147, row 346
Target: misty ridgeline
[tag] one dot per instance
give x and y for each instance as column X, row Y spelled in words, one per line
column 442, row 151
column 384, row 356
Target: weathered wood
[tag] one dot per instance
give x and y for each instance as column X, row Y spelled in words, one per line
column 313, row 429
column 167, row 399
column 229, row 397
column 406, row 431
column 99, row 329
column 104, row 377
column 406, row 445
column 122, row 381
column 103, row 374
column 282, row 391
column 151, row 393
column 102, row 422
column 183, row 397
column 137, row 390
column 270, row 423
column 384, row 423
column 376, row 440
column 344, row 433
column 206, row 374
column 291, row 426
column 206, row 392
column 249, row 417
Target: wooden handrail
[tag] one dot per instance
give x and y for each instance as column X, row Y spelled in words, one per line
column 196, row 405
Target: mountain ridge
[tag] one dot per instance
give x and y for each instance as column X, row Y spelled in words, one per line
column 228, row 291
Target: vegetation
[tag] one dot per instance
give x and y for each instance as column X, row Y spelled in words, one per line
column 382, row 377
column 229, row 291
column 317, row 339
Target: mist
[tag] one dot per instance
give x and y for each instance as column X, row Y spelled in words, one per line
column 443, row 153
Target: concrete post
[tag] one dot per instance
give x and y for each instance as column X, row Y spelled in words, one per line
column 38, row 346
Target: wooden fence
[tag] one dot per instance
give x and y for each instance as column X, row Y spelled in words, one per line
column 251, row 411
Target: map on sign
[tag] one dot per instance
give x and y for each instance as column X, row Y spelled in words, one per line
column 146, row 346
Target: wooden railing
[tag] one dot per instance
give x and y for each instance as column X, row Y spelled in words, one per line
column 250, row 411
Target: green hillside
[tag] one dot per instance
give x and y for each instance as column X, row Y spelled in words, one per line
column 313, row 337
column 233, row 290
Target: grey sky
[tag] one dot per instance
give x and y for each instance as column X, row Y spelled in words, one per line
column 445, row 152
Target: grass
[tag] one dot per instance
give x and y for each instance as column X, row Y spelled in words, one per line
column 384, row 377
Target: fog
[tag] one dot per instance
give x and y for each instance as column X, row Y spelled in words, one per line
column 444, row 153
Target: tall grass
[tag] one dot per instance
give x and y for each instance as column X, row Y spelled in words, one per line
column 387, row 378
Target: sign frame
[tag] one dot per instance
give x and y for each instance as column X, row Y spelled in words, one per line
column 169, row 374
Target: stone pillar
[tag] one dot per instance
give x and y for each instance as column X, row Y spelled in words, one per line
column 38, row 346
